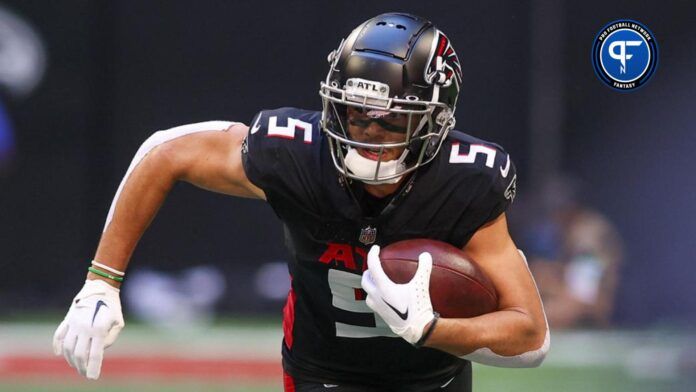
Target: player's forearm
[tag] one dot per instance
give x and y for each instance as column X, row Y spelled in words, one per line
column 505, row 332
column 143, row 192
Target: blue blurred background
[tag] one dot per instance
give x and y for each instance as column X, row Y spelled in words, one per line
column 83, row 83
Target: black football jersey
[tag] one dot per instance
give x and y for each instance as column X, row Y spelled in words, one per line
column 330, row 334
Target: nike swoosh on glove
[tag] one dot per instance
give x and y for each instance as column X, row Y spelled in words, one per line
column 406, row 308
column 92, row 324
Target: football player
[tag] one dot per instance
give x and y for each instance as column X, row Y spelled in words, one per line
column 378, row 164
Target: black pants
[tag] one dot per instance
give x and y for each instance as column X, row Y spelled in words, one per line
column 460, row 383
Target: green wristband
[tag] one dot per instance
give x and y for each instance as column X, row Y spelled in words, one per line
column 104, row 274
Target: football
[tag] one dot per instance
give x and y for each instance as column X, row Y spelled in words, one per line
column 458, row 287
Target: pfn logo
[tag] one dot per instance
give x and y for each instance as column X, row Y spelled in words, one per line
column 624, row 54
column 621, row 55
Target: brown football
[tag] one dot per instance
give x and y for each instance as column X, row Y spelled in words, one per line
column 458, row 287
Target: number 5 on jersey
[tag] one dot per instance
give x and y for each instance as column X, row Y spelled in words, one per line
column 360, row 321
column 474, row 150
column 288, row 131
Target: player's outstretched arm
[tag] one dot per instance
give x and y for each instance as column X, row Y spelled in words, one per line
column 207, row 155
column 210, row 159
column 517, row 334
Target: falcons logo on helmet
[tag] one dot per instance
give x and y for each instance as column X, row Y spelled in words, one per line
column 443, row 66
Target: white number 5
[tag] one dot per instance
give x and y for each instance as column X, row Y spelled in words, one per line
column 288, row 131
column 343, row 287
column 470, row 157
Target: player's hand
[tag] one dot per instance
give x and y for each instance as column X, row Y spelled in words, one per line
column 93, row 322
column 406, row 308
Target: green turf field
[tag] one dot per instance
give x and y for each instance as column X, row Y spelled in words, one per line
column 485, row 379
column 636, row 361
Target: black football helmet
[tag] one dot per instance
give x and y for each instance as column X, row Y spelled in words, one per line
column 393, row 65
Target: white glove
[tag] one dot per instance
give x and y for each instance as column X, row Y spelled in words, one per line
column 93, row 322
column 406, row 308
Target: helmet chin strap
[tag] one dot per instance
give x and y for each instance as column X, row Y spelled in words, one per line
column 364, row 167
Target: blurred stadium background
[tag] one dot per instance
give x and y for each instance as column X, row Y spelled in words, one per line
column 83, row 83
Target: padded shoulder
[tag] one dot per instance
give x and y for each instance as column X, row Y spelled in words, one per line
column 468, row 157
column 482, row 179
column 281, row 146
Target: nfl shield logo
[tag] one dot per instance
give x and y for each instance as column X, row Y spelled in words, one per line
column 368, row 235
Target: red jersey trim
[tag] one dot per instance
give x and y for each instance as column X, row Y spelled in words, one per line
column 289, row 317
